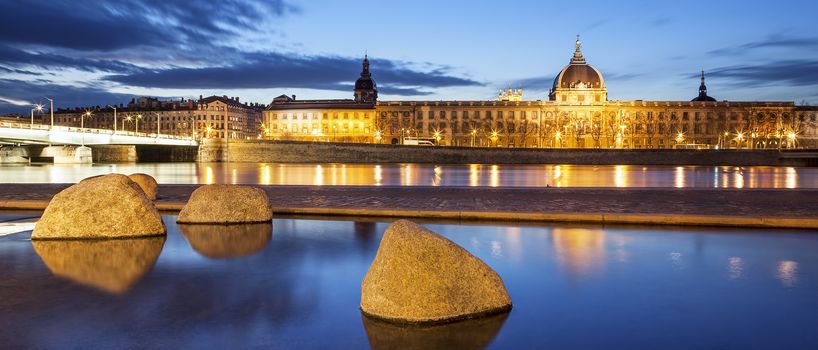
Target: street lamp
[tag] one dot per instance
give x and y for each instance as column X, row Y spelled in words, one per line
column 82, row 125
column 38, row 108
column 378, row 136
column 51, row 110
column 473, row 134
column 114, row 107
column 138, row 116
column 158, row 124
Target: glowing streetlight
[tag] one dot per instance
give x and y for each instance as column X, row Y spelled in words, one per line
column 473, row 134
column 136, row 120
column 39, row 109
column 680, row 137
column 437, row 136
column 82, row 125
column 114, row 107
column 378, row 136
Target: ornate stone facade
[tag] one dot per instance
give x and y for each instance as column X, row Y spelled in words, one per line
column 576, row 115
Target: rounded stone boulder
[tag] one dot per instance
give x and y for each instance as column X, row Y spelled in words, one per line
column 420, row 277
column 226, row 204
column 147, row 183
column 108, row 206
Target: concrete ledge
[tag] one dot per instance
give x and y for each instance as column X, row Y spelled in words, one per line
column 587, row 218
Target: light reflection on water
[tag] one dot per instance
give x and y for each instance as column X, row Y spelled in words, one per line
column 474, row 175
column 637, row 288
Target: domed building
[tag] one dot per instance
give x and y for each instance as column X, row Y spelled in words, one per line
column 579, row 82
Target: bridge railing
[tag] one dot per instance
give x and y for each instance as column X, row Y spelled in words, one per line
column 29, row 126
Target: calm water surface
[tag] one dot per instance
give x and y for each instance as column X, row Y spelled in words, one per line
column 430, row 175
column 299, row 287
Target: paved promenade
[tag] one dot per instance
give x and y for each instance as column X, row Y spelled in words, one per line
column 716, row 207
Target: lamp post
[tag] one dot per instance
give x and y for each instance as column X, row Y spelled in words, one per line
column 158, row 124
column 473, row 134
column 82, row 125
column 136, row 129
column 38, row 108
column 114, row 107
column 51, row 110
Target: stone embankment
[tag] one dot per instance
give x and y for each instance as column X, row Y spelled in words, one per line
column 654, row 206
column 322, row 152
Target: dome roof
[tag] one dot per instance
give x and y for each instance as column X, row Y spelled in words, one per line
column 574, row 74
column 579, row 71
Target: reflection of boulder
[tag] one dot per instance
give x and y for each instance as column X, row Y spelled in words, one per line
column 147, row 183
column 227, row 241
column 419, row 276
column 226, row 204
column 469, row 334
column 100, row 207
column 113, row 266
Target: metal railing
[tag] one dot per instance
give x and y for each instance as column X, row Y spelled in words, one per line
column 29, row 126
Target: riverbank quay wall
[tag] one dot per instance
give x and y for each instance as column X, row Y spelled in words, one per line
column 326, row 152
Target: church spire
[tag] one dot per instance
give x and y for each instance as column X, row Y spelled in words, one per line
column 578, row 58
column 703, row 92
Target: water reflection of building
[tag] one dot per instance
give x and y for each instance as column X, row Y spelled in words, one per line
column 113, row 266
column 580, row 250
column 577, row 113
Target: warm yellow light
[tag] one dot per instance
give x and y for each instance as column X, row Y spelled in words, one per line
column 39, row 108
column 622, row 126
column 726, row 133
column 791, row 135
column 473, row 131
column 559, row 134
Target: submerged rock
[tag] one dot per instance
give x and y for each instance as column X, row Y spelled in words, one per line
column 113, row 265
column 228, row 241
column 147, row 183
column 469, row 334
column 226, row 204
column 100, row 207
column 421, row 277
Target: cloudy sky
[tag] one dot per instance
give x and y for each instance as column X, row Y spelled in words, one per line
column 103, row 52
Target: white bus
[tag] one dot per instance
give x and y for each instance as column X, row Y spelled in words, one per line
column 419, row 141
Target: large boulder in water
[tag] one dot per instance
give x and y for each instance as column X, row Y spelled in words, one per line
column 421, row 277
column 228, row 241
column 226, row 204
column 112, row 265
column 109, row 206
column 147, row 183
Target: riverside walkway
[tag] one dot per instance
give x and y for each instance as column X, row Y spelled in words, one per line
column 655, row 206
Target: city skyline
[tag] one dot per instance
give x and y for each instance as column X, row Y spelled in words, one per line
column 85, row 54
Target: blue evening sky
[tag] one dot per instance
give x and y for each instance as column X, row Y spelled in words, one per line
column 104, row 52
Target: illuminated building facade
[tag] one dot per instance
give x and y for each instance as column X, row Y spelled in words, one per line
column 214, row 116
column 577, row 114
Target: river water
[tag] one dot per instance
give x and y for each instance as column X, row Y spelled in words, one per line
column 296, row 284
column 472, row 175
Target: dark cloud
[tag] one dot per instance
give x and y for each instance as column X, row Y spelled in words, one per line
column 274, row 70
column 773, row 42
column 118, row 24
column 176, row 44
column 775, row 73
column 64, row 96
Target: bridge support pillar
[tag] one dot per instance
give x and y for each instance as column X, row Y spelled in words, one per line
column 68, row 154
column 14, row 155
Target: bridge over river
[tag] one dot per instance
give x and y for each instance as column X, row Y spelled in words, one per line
column 22, row 142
